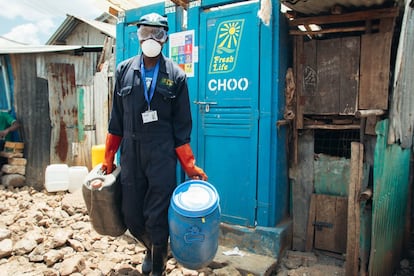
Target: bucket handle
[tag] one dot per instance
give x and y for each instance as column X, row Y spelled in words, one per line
column 89, row 183
column 193, row 235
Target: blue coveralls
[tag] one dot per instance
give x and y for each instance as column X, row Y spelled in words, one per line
column 148, row 159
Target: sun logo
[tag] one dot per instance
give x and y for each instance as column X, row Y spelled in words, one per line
column 229, row 35
column 226, row 46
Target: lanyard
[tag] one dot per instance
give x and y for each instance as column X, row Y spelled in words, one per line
column 148, row 98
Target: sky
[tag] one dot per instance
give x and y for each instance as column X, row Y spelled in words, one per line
column 34, row 21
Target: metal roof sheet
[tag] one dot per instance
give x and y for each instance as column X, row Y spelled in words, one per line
column 6, row 42
column 70, row 23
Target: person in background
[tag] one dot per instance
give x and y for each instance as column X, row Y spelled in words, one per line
column 7, row 125
column 151, row 117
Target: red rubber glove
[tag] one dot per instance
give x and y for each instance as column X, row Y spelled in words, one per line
column 187, row 160
column 111, row 146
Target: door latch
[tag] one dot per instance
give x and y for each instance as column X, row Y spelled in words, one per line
column 320, row 224
column 206, row 104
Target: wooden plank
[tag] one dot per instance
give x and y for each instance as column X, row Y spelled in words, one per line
column 325, row 213
column 332, row 127
column 299, row 47
column 347, row 17
column 370, row 125
column 353, row 231
column 349, row 76
column 374, row 71
column 328, row 76
column 387, row 25
column 298, row 120
column 332, row 211
column 369, row 113
column 309, row 89
column 333, row 30
column 310, row 229
column 341, row 223
column 302, row 189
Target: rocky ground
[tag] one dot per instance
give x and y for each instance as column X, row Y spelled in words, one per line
column 50, row 234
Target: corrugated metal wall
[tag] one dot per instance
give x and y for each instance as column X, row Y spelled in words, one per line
column 85, row 65
column 32, row 110
column 63, row 105
column 391, row 186
column 402, row 104
column 85, row 35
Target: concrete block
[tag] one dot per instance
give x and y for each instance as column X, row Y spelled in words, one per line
column 17, row 161
column 12, row 169
column 13, row 180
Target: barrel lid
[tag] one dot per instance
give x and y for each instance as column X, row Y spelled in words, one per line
column 195, row 198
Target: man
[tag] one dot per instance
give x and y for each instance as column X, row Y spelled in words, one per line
column 7, row 125
column 151, row 116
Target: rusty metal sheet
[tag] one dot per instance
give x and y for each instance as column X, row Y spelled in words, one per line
column 85, row 65
column 63, row 111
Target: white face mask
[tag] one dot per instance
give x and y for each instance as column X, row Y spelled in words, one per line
column 151, row 48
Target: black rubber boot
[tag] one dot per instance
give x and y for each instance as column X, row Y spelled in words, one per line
column 159, row 257
column 147, row 263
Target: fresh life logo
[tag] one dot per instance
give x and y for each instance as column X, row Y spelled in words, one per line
column 226, row 46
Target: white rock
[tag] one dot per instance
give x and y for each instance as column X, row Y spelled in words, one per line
column 71, row 265
column 24, row 246
column 4, row 234
column 6, row 248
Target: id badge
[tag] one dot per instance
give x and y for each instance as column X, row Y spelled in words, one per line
column 149, row 116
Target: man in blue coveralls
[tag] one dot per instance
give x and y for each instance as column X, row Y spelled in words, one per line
column 151, row 116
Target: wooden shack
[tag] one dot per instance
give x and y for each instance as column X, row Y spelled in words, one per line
column 341, row 80
column 343, row 71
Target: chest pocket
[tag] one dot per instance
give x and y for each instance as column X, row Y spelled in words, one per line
column 129, row 79
column 125, row 91
column 166, row 94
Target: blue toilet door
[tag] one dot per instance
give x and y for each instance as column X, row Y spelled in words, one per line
column 228, row 106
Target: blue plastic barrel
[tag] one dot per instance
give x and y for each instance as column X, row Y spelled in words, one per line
column 194, row 221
